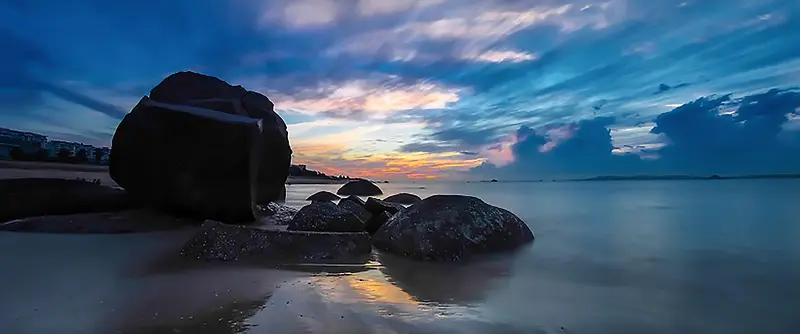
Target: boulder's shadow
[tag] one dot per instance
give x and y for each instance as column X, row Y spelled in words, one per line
column 451, row 283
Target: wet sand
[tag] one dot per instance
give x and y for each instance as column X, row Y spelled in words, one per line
column 648, row 257
column 137, row 284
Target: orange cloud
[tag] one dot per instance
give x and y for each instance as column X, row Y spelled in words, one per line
column 392, row 165
column 370, row 97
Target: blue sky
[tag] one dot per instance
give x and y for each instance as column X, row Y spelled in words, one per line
column 399, row 89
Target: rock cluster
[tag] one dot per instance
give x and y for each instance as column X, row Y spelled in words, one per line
column 201, row 151
column 218, row 241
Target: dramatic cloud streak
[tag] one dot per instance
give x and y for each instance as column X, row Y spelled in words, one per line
column 437, row 88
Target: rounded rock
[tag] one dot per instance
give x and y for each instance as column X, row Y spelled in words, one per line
column 451, row 228
column 323, row 196
column 403, row 198
column 359, row 188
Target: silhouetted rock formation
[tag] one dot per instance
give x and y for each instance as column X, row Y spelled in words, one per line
column 218, row 241
column 359, row 188
column 22, row 198
column 355, row 205
column 451, row 228
column 403, row 198
column 325, row 217
column 202, row 148
column 323, row 196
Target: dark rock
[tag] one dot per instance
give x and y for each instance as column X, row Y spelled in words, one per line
column 359, row 188
column 276, row 214
column 356, row 208
column 403, row 198
column 325, row 217
column 218, row 241
column 376, row 221
column 376, row 206
column 202, row 148
column 450, row 228
column 356, row 199
column 21, row 198
column 324, row 196
column 129, row 221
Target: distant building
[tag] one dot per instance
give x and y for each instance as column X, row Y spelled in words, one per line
column 14, row 135
column 27, row 141
column 5, row 151
column 32, row 142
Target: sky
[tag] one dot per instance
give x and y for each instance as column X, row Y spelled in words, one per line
column 437, row 89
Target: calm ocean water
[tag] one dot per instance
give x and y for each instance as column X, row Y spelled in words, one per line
column 609, row 257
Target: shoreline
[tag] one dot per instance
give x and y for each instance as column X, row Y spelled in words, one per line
column 56, row 170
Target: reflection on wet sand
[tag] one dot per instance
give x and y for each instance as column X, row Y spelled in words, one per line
column 447, row 283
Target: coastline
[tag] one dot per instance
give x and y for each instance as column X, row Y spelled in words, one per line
column 56, row 170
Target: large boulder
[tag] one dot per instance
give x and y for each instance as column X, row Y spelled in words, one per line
column 22, row 198
column 359, row 188
column 403, row 198
column 202, row 148
column 325, row 217
column 323, row 196
column 451, row 228
column 223, row 242
column 356, row 207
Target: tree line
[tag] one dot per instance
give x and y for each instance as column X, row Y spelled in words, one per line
column 297, row 171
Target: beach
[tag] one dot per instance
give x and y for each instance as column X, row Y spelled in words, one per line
column 26, row 169
column 609, row 257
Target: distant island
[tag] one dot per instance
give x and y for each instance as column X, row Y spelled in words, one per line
column 656, row 178
column 687, row 177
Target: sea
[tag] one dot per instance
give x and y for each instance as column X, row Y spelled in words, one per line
column 691, row 256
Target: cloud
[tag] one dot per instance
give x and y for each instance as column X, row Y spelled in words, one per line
column 303, row 13
column 365, row 96
column 493, row 56
column 711, row 135
column 664, row 87
column 428, row 79
column 379, row 7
